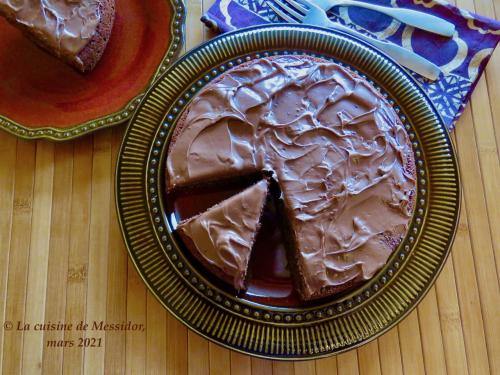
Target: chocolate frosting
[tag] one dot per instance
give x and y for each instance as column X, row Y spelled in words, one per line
column 65, row 26
column 224, row 234
column 335, row 146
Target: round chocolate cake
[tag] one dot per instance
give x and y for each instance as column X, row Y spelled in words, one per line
column 328, row 139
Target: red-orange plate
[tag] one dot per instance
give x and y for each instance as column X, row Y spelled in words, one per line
column 41, row 97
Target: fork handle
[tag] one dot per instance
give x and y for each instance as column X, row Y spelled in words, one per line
column 411, row 17
column 403, row 56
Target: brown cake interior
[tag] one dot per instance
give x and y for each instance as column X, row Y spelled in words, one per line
column 222, row 237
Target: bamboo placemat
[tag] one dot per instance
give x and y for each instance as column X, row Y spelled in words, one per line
column 62, row 260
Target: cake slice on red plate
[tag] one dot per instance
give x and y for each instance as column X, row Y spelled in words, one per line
column 75, row 31
column 222, row 237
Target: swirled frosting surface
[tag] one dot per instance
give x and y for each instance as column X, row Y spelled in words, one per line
column 224, row 234
column 66, row 26
column 332, row 142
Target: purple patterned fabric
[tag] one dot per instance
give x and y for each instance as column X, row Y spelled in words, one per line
column 462, row 58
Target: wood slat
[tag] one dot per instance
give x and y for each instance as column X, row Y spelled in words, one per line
column 116, row 304
column 347, row 363
column 470, row 305
column 135, row 352
column 76, row 288
column 36, row 288
column 451, row 324
column 19, row 255
column 240, row 364
column 369, row 359
column 261, row 367
column 283, row 368
column 390, row 353
column 198, row 356
column 327, row 366
column 196, row 34
column 98, row 259
column 177, row 346
column 411, row 345
column 220, row 362
column 305, row 367
column 55, row 311
column 432, row 342
column 8, row 145
column 156, row 341
column 493, row 78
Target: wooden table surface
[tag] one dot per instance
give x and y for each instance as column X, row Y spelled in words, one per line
column 62, row 260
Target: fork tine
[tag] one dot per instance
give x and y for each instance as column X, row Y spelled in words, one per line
column 290, row 8
column 299, row 5
column 277, row 7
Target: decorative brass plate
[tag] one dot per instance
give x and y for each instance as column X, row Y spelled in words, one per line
column 329, row 327
column 104, row 97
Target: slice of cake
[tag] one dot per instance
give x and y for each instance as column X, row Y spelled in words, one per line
column 75, row 31
column 222, row 237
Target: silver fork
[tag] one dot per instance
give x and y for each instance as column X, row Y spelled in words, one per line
column 301, row 11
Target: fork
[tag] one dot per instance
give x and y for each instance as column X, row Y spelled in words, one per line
column 414, row 18
column 301, row 11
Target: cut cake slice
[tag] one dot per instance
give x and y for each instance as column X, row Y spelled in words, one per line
column 76, row 32
column 222, row 237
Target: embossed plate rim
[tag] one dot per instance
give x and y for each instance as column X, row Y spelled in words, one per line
column 177, row 31
column 142, row 218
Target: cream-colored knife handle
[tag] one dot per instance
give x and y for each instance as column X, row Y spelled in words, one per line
column 403, row 56
column 410, row 17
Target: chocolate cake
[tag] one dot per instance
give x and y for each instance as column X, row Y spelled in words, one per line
column 333, row 144
column 76, row 31
column 222, row 237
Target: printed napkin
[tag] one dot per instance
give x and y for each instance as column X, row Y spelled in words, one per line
column 462, row 58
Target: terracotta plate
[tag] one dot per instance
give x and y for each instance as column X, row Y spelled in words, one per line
column 269, row 321
column 41, row 97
